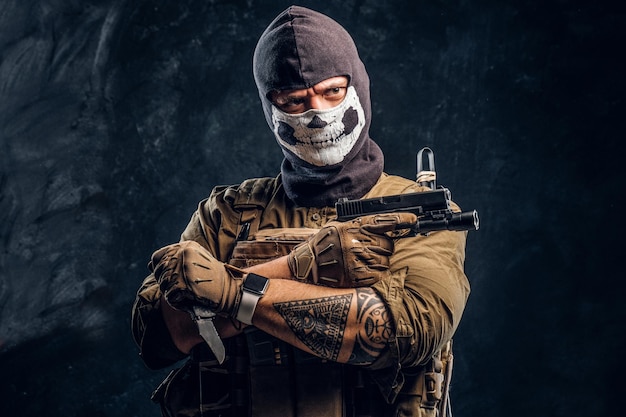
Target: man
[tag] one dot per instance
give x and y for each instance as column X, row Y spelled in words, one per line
column 334, row 319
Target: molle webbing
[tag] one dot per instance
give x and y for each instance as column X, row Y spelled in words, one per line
column 267, row 245
column 250, row 199
column 286, row 382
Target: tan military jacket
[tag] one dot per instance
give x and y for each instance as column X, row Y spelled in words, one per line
column 426, row 294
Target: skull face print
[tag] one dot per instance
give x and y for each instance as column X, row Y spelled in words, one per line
column 321, row 137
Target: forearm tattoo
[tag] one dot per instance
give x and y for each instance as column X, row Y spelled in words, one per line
column 321, row 323
column 374, row 326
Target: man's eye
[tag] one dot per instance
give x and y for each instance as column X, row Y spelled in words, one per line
column 289, row 102
column 335, row 92
column 293, row 102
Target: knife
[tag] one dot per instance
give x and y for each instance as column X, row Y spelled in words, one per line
column 203, row 318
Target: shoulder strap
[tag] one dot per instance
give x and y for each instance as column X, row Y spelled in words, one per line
column 250, row 199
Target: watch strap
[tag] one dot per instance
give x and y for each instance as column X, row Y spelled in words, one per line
column 252, row 290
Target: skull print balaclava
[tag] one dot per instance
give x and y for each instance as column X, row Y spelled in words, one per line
column 321, row 137
column 328, row 153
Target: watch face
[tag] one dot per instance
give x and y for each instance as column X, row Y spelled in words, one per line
column 255, row 283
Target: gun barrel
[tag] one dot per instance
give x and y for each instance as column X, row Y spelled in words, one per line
column 467, row 220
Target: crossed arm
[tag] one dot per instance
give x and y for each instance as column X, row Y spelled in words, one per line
column 347, row 325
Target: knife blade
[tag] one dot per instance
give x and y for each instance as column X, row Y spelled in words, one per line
column 203, row 318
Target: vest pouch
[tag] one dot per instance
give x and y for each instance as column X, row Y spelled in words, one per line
column 411, row 397
column 287, row 382
column 179, row 394
column 203, row 387
column 427, row 388
column 270, row 375
column 319, row 389
column 266, row 245
column 319, row 385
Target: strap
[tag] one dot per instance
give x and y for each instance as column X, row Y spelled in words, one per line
column 253, row 289
column 434, row 386
column 250, row 199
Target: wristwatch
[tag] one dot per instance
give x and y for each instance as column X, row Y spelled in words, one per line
column 253, row 288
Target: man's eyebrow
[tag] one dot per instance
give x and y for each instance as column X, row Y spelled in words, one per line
column 285, row 98
column 284, row 95
column 332, row 84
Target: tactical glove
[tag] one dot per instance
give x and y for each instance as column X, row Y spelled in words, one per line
column 349, row 254
column 189, row 275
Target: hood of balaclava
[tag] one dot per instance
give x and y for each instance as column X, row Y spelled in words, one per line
column 299, row 49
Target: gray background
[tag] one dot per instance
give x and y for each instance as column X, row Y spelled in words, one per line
column 118, row 116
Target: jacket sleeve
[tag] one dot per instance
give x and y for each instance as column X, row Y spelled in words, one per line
column 156, row 347
column 426, row 298
column 149, row 331
column 428, row 295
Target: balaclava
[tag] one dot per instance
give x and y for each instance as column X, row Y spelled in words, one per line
column 299, row 49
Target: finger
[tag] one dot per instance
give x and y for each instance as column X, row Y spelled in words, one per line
column 376, row 263
column 179, row 299
column 169, row 282
column 382, row 251
column 165, row 270
column 370, row 258
column 381, row 223
column 159, row 254
column 380, row 244
column 370, row 273
column 365, row 281
column 166, row 265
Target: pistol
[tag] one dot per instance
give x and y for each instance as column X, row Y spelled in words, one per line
column 431, row 207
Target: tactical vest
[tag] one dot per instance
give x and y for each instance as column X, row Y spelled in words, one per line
column 266, row 377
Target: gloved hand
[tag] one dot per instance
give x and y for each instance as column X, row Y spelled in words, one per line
column 189, row 275
column 349, row 254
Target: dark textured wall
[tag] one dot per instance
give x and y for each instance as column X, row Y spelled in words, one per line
column 117, row 116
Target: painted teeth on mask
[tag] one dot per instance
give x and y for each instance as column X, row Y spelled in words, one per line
column 323, row 143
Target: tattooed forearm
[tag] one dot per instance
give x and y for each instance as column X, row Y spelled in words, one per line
column 374, row 326
column 319, row 323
